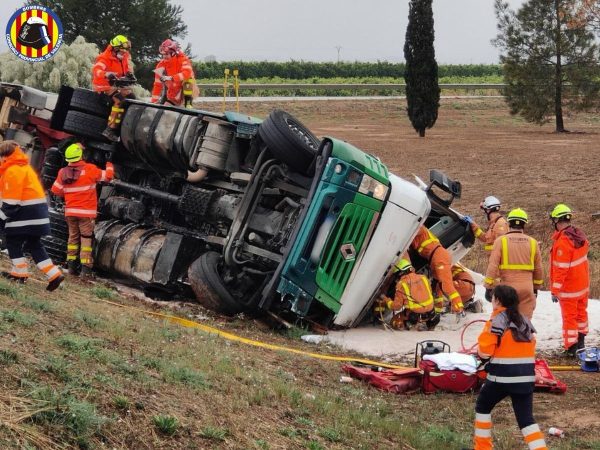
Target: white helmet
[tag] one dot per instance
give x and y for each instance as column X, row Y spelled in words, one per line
column 490, row 202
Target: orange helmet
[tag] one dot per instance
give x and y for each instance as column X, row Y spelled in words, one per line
column 169, row 47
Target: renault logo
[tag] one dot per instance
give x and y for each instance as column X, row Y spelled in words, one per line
column 348, row 252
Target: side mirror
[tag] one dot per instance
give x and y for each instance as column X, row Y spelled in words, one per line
column 440, row 180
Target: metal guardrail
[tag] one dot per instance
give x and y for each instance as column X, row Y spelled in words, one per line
column 348, row 86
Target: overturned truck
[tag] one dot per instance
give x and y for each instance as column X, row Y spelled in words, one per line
column 249, row 215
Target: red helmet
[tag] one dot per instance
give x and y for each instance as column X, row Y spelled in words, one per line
column 169, row 47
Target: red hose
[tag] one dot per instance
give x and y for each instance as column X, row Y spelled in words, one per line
column 471, row 349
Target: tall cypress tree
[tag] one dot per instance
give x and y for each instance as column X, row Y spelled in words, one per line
column 421, row 73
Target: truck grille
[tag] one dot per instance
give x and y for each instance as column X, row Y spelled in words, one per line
column 337, row 262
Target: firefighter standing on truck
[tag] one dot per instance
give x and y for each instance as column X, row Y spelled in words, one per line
column 114, row 62
column 428, row 246
column 24, row 216
column 570, row 277
column 413, row 299
column 174, row 71
column 497, row 225
column 507, row 351
column 515, row 261
column 77, row 184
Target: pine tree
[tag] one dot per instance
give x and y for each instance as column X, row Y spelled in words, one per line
column 421, row 74
column 548, row 63
column 146, row 23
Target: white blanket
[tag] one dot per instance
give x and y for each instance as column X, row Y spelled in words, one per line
column 453, row 360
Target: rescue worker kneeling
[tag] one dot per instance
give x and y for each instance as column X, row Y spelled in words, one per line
column 413, row 300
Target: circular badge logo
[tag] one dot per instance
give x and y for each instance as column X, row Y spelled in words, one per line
column 34, row 33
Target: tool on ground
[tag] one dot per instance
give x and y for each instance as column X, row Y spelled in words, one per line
column 431, row 347
column 589, row 358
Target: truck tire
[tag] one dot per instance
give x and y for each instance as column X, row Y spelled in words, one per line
column 82, row 124
column 90, row 102
column 289, row 141
column 56, row 243
column 209, row 287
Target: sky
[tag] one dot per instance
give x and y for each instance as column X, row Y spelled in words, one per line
column 312, row 30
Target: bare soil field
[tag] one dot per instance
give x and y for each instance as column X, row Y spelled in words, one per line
column 477, row 142
column 77, row 372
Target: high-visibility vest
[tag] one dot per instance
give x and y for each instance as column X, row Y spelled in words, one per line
column 569, row 266
column 108, row 62
column 413, row 292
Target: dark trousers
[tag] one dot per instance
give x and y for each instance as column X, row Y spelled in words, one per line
column 18, row 245
column 492, row 393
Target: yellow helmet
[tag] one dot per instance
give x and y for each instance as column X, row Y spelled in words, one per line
column 517, row 216
column 561, row 211
column 402, row 265
column 120, row 41
column 74, row 152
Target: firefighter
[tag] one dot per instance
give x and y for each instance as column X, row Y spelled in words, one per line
column 77, row 184
column 114, row 62
column 24, row 216
column 507, row 351
column 428, row 246
column 465, row 286
column 497, row 225
column 413, row 299
column 570, row 277
column 515, row 261
column 175, row 72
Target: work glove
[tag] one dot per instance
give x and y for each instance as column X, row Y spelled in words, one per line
column 483, row 362
column 164, row 78
column 467, row 219
column 488, row 294
column 112, row 77
column 554, row 299
column 535, row 292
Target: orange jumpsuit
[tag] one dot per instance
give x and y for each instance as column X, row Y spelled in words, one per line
column 570, row 280
column 180, row 68
column 428, row 246
column 463, row 282
column 515, row 261
column 107, row 62
column 497, row 226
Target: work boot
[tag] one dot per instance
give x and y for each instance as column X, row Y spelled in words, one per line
column 571, row 351
column 73, row 268
column 110, row 134
column 474, row 306
column 87, row 273
column 55, row 283
column 11, row 277
column 580, row 341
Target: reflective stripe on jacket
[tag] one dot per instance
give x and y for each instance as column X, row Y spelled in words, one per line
column 180, row 68
column 425, row 242
column 108, row 62
column 24, row 210
column 413, row 292
column 80, row 195
column 569, row 267
column 497, row 227
column 515, row 253
column 512, row 362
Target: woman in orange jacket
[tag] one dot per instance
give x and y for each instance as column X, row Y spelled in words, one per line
column 24, row 216
column 174, row 71
column 507, row 347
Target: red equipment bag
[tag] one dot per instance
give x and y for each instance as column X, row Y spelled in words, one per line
column 545, row 381
column 398, row 381
column 435, row 380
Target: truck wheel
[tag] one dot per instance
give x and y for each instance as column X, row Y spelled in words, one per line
column 82, row 124
column 289, row 141
column 87, row 101
column 56, row 243
column 209, row 287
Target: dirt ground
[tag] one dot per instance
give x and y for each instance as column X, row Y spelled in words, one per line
column 477, row 142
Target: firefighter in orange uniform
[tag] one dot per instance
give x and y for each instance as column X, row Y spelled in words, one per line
column 515, row 261
column 24, row 216
column 114, row 62
column 507, row 350
column 77, row 184
column 497, row 225
column 428, row 246
column 570, row 277
column 413, row 299
column 465, row 286
column 175, row 70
